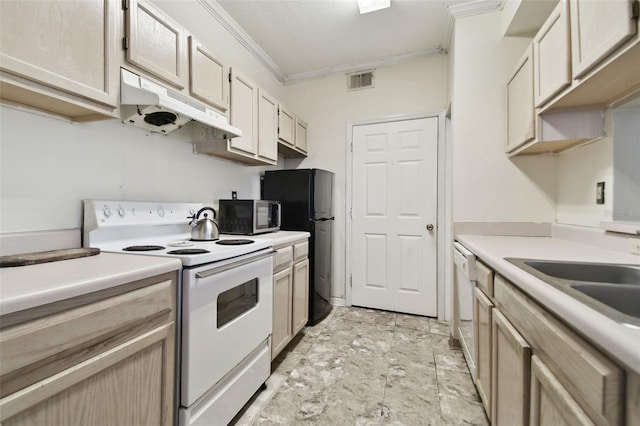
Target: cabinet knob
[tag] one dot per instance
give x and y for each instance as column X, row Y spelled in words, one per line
column 430, row 227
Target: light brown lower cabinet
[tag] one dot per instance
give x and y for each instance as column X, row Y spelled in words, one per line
column 482, row 341
column 290, row 294
column 107, row 362
column 551, row 403
column 510, row 367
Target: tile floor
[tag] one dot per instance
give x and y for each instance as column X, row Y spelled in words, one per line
column 363, row 367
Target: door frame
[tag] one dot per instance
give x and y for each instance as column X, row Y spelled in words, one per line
column 441, row 220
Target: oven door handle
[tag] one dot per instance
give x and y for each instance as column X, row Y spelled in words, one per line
column 219, row 269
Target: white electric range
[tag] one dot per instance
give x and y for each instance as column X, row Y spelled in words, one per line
column 224, row 301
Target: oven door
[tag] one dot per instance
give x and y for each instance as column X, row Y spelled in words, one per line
column 227, row 311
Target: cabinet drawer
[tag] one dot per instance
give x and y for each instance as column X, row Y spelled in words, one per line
column 84, row 328
column 591, row 378
column 484, row 277
column 283, row 258
column 300, row 251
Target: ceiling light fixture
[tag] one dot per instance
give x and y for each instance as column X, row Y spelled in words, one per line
column 367, row 6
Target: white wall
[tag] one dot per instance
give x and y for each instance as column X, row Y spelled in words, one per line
column 416, row 87
column 49, row 165
column 487, row 185
column 578, row 172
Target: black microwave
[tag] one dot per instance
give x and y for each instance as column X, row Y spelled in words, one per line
column 248, row 217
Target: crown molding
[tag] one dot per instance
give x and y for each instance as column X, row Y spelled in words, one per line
column 363, row 66
column 242, row 37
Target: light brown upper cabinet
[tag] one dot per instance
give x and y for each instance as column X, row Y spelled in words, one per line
column 292, row 134
column 208, row 77
column 244, row 112
column 551, row 55
column 267, row 126
column 598, row 28
column 60, row 57
column 301, row 134
column 286, row 126
column 155, row 44
column 520, row 109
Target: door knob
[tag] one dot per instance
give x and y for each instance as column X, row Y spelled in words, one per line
column 430, row 227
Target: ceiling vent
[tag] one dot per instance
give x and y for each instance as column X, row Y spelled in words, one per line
column 363, row 80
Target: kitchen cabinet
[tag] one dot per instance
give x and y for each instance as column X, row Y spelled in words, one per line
column 592, row 379
column 292, row 134
column 552, row 55
column 255, row 112
column 290, row 293
column 521, row 117
column 110, row 353
column 482, row 341
column 208, row 77
column 244, row 113
column 155, row 44
column 286, row 126
column 551, row 404
column 301, row 134
column 267, row 127
column 598, row 29
column 510, row 367
column 60, row 57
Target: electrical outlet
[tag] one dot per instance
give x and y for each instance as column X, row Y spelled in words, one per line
column 234, row 195
column 634, row 245
column 600, row 193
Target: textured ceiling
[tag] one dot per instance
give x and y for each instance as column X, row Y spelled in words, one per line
column 313, row 37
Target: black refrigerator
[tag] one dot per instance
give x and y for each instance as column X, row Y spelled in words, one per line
column 306, row 197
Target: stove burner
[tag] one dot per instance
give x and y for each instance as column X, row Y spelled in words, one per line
column 189, row 251
column 143, row 248
column 235, row 242
column 180, row 244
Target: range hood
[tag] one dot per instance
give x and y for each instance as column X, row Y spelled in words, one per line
column 161, row 110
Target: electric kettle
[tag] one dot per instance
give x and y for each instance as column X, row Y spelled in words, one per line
column 204, row 229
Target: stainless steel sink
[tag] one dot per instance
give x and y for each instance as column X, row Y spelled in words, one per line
column 611, row 289
column 621, row 297
column 591, row 272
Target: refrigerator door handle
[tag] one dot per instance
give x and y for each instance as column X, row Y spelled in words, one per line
column 324, row 219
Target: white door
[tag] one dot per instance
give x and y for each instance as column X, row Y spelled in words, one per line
column 394, row 206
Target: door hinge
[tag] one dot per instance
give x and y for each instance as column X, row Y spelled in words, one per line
column 125, row 43
column 351, row 280
column 351, row 146
column 125, row 4
column 229, row 76
column 635, row 10
column 351, row 213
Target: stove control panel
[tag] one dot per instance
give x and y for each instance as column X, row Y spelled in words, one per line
column 100, row 213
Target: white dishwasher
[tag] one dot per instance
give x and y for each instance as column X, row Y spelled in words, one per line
column 464, row 282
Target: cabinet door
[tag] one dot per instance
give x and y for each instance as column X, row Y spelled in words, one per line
column 300, row 295
column 267, row 126
column 510, row 368
column 520, row 110
column 482, row 342
column 131, row 384
column 66, row 45
column 282, row 293
column 244, row 112
column 301, row 135
column 156, row 44
column 597, row 29
column 208, row 77
column 551, row 55
column 286, row 126
column 551, row 404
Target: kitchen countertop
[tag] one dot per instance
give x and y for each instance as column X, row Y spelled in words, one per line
column 26, row 287
column 620, row 342
column 282, row 238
